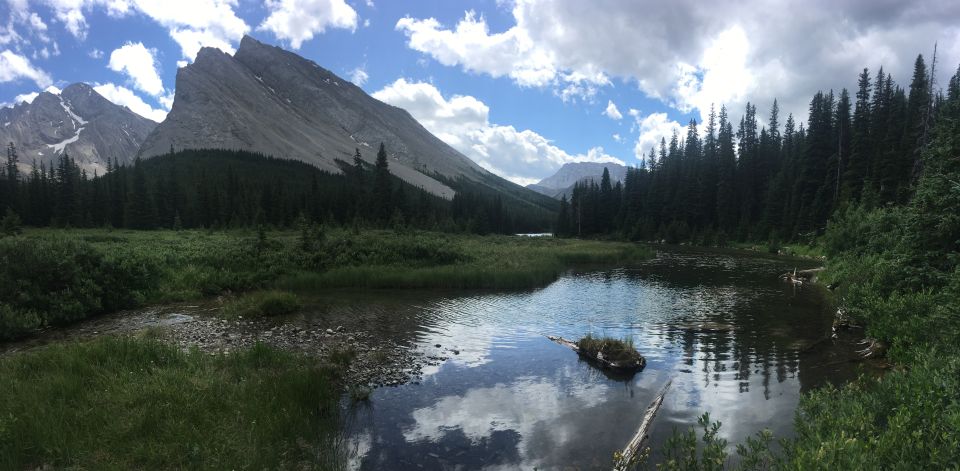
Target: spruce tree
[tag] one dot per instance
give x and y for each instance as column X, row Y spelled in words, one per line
column 382, row 191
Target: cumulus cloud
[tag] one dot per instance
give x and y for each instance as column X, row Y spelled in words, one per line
column 140, row 65
column 29, row 97
column 359, row 76
column 754, row 50
column 612, row 112
column 197, row 23
column 512, row 53
column 14, row 67
column 652, row 128
column 297, row 21
column 71, row 12
column 522, row 156
column 191, row 23
column 125, row 97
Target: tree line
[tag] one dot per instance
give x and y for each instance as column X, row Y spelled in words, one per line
column 771, row 181
column 233, row 189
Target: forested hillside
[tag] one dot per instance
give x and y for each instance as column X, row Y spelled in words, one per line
column 776, row 179
column 224, row 189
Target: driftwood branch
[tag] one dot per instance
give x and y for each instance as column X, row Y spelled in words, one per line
column 800, row 276
column 623, row 460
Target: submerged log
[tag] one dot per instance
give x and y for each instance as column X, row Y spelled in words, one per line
column 630, row 365
column 798, row 277
column 625, row 459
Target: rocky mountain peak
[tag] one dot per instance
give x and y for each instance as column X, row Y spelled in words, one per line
column 78, row 122
column 268, row 100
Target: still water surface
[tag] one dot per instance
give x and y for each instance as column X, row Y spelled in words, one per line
column 735, row 341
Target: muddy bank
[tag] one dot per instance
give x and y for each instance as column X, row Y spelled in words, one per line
column 375, row 360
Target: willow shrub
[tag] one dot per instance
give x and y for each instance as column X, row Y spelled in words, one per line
column 56, row 280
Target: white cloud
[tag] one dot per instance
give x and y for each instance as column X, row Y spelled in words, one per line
column 297, row 21
column 29, row 97
column 125, row 97
column 617, row 137
column 612, row 112
column 522, row 156
column 359, row 76
column 741, row 51
column 140, row 65
column 652, row 129
column 197, row 23
column 95, row 54
column 470, row 45
column 191, row 23
column 25, row 97
column 14, row 66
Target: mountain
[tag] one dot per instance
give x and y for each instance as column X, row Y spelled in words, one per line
column 78, row 121
column 267, row 100
column 562, row 182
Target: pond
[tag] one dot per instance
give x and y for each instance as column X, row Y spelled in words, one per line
column 734, row 340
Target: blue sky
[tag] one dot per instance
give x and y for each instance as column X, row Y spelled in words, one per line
column 520, row 86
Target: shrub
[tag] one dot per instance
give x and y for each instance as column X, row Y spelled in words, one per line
column 58, row 280
column 262, row 304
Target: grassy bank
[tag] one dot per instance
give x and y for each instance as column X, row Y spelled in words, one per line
column 51, row 277
column 425, row 260
column 137, row 404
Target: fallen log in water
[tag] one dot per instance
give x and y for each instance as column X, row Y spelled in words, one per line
column 798, row 277
column 625, row 459
column 608, row 354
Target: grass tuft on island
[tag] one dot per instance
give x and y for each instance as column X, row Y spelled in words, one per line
column 614, row 350
column 135, row 403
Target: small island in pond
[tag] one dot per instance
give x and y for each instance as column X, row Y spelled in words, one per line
column 607, row 353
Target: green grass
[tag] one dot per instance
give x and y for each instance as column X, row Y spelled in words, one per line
column 613, row 349
column 54, row 276
column 468, row 262
column 261, row 304
column 814, row 251
column 126, row 403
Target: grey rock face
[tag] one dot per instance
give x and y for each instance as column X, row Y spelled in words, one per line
column 562, row 182
column 80, row 122
column 268, row 100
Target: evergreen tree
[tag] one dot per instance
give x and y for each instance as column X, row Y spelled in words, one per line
column 382, row 191
column 858, row 162
column 13, row 177
column 140, row 211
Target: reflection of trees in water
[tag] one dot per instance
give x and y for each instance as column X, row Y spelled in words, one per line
column 757, row 336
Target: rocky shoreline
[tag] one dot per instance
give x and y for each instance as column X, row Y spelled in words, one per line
column 374, row 361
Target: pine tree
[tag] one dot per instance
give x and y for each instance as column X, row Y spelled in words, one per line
column 140, row 211
column 382, row 191
column 13, row 177
column 563, row 218
column 726, row 175
column 858, row 163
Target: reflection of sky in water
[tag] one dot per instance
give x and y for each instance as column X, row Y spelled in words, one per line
column 722, row 327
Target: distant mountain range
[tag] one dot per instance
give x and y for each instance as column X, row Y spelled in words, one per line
column 561, row 183
column 262, row 99
column 79, row 122
column 268, row 100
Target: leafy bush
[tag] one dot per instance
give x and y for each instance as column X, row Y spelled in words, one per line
column 910, row 418
column 58, row 280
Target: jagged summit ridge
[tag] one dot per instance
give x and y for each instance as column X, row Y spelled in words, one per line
column 79, row 122
column 269, row 100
